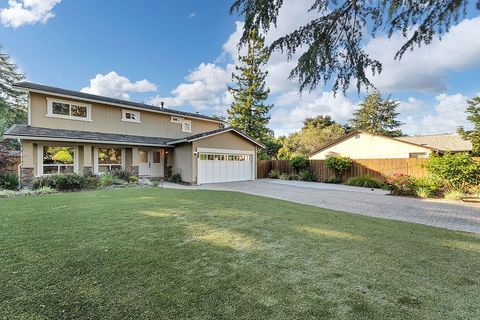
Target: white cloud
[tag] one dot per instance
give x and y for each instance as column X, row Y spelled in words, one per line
column 205, row 89
column 24, row 12
column 192, row 15
column 291, row 109
column 425, row 69
column 116, row 86
column 447, row 115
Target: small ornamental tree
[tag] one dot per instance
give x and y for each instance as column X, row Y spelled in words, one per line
column 339, row 165
column 459, row 170
column 298, row 164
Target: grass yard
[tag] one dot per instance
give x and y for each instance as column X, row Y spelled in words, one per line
column 182, row 254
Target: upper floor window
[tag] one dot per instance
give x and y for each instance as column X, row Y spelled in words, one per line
column 57, row 108
column 130, row 116
column 186, row 124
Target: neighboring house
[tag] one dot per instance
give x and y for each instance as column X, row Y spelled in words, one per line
column 70, row 131
column 361, row 145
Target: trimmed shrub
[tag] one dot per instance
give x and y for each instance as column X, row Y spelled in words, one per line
column 9, row 181
column 402, row 185
column 68, row 182
column 306, row 175
column 298, row 164
column 339, row 165
column 459, row 170
column 176, row 177
column 365, row 181
column 274, row 174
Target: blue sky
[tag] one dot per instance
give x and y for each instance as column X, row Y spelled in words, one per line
column 183, row 52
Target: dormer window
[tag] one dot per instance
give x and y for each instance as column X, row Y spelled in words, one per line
column 130, row 116
column 57, row 108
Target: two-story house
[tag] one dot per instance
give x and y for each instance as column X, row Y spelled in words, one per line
column 70, row 131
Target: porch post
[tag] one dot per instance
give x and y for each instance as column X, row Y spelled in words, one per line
column 87, row 160
column 135, row 161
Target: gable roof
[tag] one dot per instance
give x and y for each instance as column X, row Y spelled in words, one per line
column 354, row 133
column 40, row 88
column 35, row 133
column 207, row 134
column 443, row 142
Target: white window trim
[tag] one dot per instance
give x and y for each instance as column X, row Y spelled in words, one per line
column 136, row 113
column 189, row 126
column 95, row 158
column 50, row 113
column 40, row 164
column 175, row 119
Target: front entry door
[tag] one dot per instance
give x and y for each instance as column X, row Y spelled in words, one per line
column 150, row 163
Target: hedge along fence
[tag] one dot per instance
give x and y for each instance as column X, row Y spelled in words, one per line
column 380, row 168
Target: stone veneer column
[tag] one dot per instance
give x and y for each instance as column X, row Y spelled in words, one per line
column 87, row 171
column 26, row 176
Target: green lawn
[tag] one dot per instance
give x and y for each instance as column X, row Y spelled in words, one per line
column 181, row 254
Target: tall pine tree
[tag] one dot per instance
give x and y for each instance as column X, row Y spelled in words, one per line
column 378, row 116
column 249, row 112
column 13, row 103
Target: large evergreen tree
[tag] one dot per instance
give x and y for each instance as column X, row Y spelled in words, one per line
column 334, row 41
column 13, row 103
column 378, row 116
column 473, row 111
column 249, row 112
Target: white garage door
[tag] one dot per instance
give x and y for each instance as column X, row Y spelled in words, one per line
column 224, row 167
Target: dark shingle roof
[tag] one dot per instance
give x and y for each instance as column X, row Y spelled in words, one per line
column 214, row 132
column 29, row 86
column 24, row 131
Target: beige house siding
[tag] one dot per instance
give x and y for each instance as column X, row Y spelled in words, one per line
column 366, row 146
column 107, row 119
column 183, row 161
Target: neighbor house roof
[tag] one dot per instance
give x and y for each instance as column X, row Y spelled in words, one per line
column 40, row 88
column 354, row 133
column 443, row 142
column 36, row 133
column 207, row 134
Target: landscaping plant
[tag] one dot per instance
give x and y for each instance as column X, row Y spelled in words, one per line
column 366, row 181
column 9, row 181
column 401, row 184
column 274, row 174
column 176, row 177
column 339, row 165
column 454, row 194
column 459, row 171
column 306, row 175
column 298, row 164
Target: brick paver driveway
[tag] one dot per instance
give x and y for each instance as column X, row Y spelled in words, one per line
column 362, row 201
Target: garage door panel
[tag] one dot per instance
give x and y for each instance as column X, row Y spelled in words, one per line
column 219, row 167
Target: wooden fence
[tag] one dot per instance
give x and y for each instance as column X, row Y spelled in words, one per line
column 380, row 168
